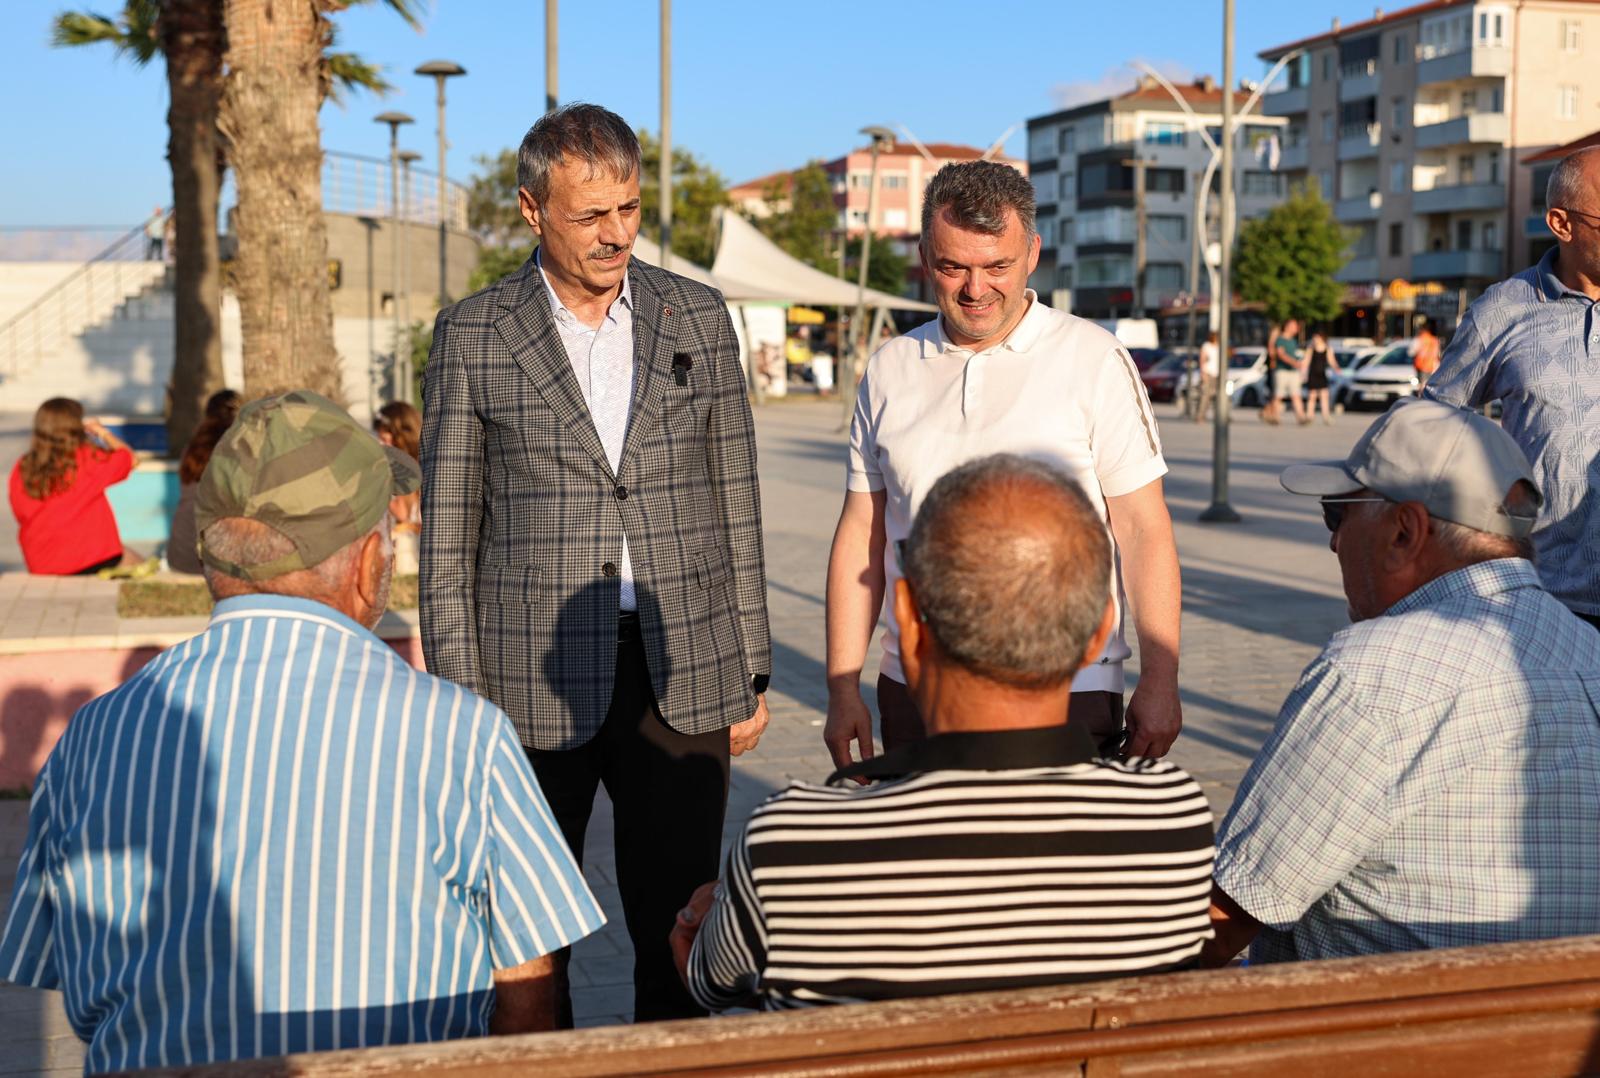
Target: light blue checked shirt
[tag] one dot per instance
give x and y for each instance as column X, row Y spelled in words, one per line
column 280, row 837
column 1433, row 781
column 1533, row 344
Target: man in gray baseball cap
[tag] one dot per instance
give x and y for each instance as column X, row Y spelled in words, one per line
column 1433, row 779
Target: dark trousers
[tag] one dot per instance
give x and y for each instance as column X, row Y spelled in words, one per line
column 669, row 792
column 899, row 722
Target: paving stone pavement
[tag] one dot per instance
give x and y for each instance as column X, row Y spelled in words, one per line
column 1260, row 598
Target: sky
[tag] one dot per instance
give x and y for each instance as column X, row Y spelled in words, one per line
column 756, row 87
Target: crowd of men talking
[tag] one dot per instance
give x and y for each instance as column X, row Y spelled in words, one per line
column 281, row 837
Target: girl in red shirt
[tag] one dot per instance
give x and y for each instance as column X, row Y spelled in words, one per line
column 58, row 492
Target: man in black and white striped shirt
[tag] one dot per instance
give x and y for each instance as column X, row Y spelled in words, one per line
column 1000, row 852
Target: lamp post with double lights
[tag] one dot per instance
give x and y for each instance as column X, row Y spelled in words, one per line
column 394, row 120
column 440, row 70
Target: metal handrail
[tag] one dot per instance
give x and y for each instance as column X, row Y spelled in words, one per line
column 53, row 301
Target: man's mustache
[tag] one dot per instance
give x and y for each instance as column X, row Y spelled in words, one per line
column 607, row 251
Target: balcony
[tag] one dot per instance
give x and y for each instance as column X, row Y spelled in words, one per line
column 1459, row 198
column 1490, row 127
column 1293, row 158
column 1447, row 265
column 1356, row 210
column 1359, row 140
column 1287, row 102
column 1478, row 62
column 1358, row 271
column 1359, row 80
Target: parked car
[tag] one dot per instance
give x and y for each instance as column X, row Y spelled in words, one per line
column 1350, row 360
column 1383, row 380
column 1161, row 379
column 1247, row 377
column 1145, row 358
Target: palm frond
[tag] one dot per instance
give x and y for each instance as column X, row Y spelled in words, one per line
column 411, row 11
column 347, row 71
column 133, row 34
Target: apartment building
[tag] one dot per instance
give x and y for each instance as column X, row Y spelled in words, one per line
column 1417, row 125
column 1101, row 169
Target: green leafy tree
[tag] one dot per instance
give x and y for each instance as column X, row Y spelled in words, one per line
column 496, row 262
column 808, row 223
column 887, row 270
column 1287, row 259
column 697, row 192
column 492, row 210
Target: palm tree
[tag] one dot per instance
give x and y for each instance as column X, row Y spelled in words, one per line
column 192, row 36
column 279, row 71
column 189, row 34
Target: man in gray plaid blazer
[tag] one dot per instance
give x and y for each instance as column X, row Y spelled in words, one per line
column 591, row 539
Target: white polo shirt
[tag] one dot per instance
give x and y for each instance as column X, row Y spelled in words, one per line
column 1059, row 389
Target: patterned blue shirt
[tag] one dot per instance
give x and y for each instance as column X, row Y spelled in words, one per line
column 1533, row 344
column 1433, row 781
column 280, row 837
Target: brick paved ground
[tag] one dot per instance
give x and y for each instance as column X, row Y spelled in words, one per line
column 1259, row 600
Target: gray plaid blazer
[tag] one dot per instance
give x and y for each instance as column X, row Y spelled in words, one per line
column 523, row 520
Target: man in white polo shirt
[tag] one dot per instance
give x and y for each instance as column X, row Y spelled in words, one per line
column 999, row 372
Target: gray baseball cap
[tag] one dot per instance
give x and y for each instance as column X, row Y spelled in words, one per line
column 1458, row 464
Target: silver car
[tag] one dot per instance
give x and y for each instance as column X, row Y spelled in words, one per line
column 1382, row 381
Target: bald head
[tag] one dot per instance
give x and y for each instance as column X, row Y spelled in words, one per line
column 1575, row 183
column 1010, row 567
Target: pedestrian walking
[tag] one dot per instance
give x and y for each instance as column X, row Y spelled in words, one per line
column 1424, row 353
column 1288, row 366
column 1319, row 363
column 1210, row 371
column 155, row 235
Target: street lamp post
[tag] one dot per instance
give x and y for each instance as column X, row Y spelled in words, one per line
column 882, row 138
column 665, row 183
column 442, row 70
column 549, row 56
column 403, row 348
column 1219, row 511
column 394, row 120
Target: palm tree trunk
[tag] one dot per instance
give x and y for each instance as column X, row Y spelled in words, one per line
column 271, row 95
column 192, row 39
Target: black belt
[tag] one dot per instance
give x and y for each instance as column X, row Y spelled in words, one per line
column 628, row 630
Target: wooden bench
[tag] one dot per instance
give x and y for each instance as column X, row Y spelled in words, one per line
column 1515, row 1009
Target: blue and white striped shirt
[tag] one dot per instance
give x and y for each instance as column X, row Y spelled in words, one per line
column 280, row 837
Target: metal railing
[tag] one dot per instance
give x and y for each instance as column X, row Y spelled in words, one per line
column 65, row 307
column 358, row 185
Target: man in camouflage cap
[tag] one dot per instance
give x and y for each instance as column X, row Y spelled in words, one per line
column 283, row 837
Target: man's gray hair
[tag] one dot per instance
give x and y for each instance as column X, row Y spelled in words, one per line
column 1010, row 566
column 250, row 542
column 1567, row 183
column 582, row 132
column 977, row 195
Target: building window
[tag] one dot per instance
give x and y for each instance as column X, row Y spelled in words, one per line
column 1067, row 186
column 1169, row 180
column 1397, row 240
column 1463, row 235
column 1063, row 276
column 1327, row 66
column 1166, row 229
column 1260, row 184
column 1162, row 278
column 1397, row 114
column 1397, row 176
column 893, row 181
column 1491, row 236
column 1326, row 179
column 1046, row 232
column 1327, row 127
column 1494, row 166
column 1399, row 48
column 1469, row 102
column 1164, row 133
column 1541, row 184
column 1066, row 228
column 1067, row 139
column 1105, row 270
column 1567, row 102
column 1466, row 169
column 1497, row 99
column 1571, row 35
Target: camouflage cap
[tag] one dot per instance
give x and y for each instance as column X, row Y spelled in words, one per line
column 301, row 465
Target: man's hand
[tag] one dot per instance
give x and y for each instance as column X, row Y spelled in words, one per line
column 848, row 721
column 1155, row 716
column 742, row 736
column 687, row 926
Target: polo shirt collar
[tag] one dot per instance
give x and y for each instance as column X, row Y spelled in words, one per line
column 247, row 605
column 558, row 308
column 1020, row 339
column 996, row 750
column 1550, row 287
column 1483, row 580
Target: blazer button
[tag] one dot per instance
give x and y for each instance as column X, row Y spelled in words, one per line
column 609, row 568
column 621, row 492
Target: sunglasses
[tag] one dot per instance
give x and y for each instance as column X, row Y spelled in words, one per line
column 1333, row 510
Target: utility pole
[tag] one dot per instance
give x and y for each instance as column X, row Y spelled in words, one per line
column 1220, row 512
column 1140, row 217
column 394, row 120
column 1198, row 234
column 442, row 70
column 666, row 134
column 549, row 56
column 881, row 137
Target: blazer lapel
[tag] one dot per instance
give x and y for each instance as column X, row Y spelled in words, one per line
column 655, row 332
column 528, row 328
